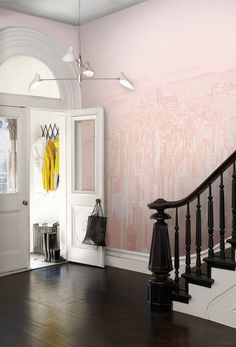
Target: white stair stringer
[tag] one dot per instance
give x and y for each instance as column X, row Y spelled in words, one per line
column 216, row 303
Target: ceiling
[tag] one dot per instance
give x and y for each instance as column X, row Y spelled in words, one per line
column 66, row 10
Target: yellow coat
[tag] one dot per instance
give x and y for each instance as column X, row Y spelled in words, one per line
column 57, row 159
column 49, row 166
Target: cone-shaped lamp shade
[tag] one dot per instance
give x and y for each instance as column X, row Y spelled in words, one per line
column 69, row 57
column 34, row 83
column 88, row 72
column 125, row 82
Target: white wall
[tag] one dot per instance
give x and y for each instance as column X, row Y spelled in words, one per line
column 48, row 207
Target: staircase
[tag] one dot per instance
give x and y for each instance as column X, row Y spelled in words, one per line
column 207, row 287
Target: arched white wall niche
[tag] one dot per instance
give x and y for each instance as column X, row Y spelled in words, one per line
column 21, row 41
column 16, row 75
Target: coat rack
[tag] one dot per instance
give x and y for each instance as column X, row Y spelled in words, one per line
column 50, row 132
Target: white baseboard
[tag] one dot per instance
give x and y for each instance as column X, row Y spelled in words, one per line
column 137, row 261
column 128, row 260
column 134, row 261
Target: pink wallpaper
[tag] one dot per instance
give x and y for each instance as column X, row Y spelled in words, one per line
column 63, row 34
column 179, row 124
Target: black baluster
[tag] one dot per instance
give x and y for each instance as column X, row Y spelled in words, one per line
column 232, row 240
column 222, row 218
column 177, row 250
column 210, row 224
column 188, row 242
column 234, row 203
column 198, row 237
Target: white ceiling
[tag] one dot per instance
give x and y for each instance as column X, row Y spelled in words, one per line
column 66, row 11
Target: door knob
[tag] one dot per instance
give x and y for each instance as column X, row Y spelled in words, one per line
column 25, row 202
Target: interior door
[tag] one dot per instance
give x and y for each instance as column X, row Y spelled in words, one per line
column 14, row 210
column 85, row 180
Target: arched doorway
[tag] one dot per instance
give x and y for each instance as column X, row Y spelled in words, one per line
column 25, row 52
column 18, row 45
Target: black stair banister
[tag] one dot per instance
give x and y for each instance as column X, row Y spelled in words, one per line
column 221, row 261
column 161, row 203
column 232, row 241
column 198, row 236
column 222, row 218
column 160, row 287
column 234, row 202
column 210, row 224
column 188, row 242
column 176, row 262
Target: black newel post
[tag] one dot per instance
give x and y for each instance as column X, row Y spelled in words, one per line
column 160, row 285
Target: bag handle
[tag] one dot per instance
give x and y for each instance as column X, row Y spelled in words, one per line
column 97, row 207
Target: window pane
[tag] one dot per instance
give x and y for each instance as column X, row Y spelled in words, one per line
column 84, row 161
column 8, row 155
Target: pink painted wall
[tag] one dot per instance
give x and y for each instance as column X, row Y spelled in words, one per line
column 179, row 124
column 63, row 34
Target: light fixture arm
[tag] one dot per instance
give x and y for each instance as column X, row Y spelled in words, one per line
column 123, row 80
column 59, row 79
column 102, row 78
column 82, row 78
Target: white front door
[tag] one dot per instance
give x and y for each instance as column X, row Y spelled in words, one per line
column 14, row 205
column 85, row 180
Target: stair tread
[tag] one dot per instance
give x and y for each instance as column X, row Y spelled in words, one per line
column 216, row 261
column 232, row 242
column 227, row 253
column 201, row 280
column 180, row 296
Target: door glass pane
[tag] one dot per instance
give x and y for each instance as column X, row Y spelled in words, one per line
column 84, row 159
column 8, row 155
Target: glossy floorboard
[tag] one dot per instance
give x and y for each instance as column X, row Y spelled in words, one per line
column 77, row 306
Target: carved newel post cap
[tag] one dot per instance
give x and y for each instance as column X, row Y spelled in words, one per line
column 159, row 204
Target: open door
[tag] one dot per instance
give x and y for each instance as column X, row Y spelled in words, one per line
column 14, row 210
column 85, row 180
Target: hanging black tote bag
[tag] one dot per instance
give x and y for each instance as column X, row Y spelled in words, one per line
column 96, row 227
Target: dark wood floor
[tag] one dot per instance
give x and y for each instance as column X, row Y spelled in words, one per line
column 73, row 305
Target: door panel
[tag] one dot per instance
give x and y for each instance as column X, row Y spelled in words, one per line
column 14, row 215
column 85, row 180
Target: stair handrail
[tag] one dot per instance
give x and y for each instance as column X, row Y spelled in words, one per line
column 160, row 286
column 163, row 204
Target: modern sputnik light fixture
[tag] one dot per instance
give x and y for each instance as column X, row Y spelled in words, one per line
column 85, row 73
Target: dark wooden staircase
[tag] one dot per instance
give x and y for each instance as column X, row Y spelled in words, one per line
column 161, row 289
